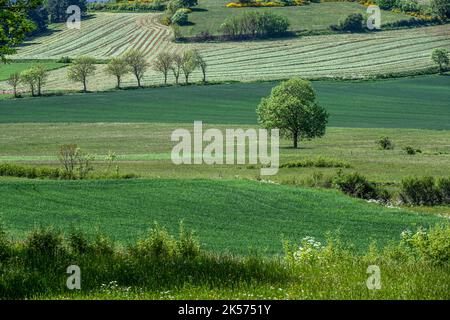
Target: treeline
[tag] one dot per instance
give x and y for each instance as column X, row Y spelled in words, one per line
column 155, row 5
column 254, row 25
column 52, row 11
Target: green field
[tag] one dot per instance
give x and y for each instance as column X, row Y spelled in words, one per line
column 210, row 14
column 145, row 149
column 9, row 68
column 420, row 102
column 228, row 215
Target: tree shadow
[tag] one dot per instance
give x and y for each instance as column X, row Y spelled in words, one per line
column 199, row 10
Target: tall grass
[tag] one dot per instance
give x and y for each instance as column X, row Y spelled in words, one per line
column 161, row 266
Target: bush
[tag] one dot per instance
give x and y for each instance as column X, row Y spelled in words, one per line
column 14, row 170
column 319, row 162
column 187, row 245
column 65, row 60
column 44, row 242
column 419, row 191
column 431, row 246
column 5, row 246
column 254, row 25
column 443, row 186
column 158, row 245
column 385, row 143
column 356, row 185
column 353, row 23
column 411, row 151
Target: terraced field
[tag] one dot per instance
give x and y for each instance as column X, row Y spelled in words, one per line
column 344, row 55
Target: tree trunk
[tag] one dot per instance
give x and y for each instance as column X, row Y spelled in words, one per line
column 139, row 81
column 204, row 76
column 84, row 85
column 15, row 91
column 295, row 140
column 165, row 78
column 187, row 79
column 39, row 87
column 118, row 82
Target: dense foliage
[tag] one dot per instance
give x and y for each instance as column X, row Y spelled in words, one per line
column 255, row 25
column 15, row 24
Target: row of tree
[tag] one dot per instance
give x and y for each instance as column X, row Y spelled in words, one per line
column 34, row 78
column 133, row 61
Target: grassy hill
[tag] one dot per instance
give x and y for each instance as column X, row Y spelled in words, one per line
column 420, row 102
column 228, row 215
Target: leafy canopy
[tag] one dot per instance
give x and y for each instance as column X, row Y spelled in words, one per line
column 291, row 107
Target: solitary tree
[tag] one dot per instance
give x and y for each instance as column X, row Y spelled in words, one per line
column 81, row 69
column 177, row 61
column 14, row 81
column 188, row 64
column 138, row 64
column 163, row 64
column 440, row 57
column 118, row 67
column 201, row 63
column 291, row 107
column 28, row 77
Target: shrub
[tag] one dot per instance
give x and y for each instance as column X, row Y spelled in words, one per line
column 78, row 243
column 14, row 170
column 443, row 186
column 254, row 25
column 65, row 60
column 187, row 245
column 158, row 245
column 5, row 246
column 44, row 242
column 385, row 143
column 419, row 191
column 356, row 185
column 431, row 246
column 319, row 162
column 411, row 151
column 353, row 23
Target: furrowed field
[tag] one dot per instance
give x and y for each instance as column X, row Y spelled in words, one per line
column 336, row 55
